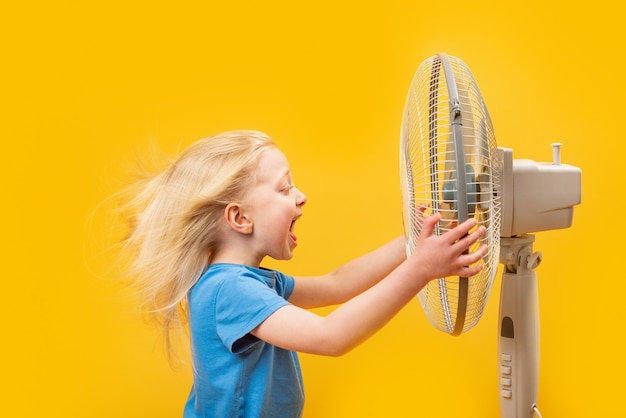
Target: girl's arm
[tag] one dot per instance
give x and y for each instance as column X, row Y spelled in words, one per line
column 297, row 329
column 350, row 279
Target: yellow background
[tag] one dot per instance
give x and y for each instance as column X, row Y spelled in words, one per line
column 85, row 85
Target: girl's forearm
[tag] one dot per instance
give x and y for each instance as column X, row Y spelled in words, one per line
column 364, row 315
column 365, row 271
column 349, row 325
column 350, row 279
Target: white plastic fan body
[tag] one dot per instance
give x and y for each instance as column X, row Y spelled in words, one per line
column 535, row 197
column 450, row 164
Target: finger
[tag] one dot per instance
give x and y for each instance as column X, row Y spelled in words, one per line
column 461, row 230
column 471, row 271
column 468, row 261
column 469, row 239
column 474, row 256
column 479, row 232
column 428, row 226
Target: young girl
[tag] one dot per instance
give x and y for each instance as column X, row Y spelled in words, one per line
column 199, row 235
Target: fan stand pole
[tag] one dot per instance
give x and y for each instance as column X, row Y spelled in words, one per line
column 518, row 342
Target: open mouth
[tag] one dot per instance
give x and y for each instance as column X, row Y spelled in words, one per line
column 291, row 229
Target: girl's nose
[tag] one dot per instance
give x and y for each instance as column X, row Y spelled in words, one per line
column 300, row 197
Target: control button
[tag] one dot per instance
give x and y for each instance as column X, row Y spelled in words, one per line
column 508, row 394
column 505, row 370
column 506, row 357
column 506, row 381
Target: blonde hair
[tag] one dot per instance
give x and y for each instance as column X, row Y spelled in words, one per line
column 174, row 219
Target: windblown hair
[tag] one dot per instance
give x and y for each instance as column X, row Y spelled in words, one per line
column 175, row 216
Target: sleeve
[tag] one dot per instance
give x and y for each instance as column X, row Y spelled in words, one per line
column 242, row 304
column 284, row 285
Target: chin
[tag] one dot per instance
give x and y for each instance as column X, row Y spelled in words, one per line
column 288, row 256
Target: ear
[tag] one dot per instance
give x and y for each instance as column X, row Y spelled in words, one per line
column 237, row 219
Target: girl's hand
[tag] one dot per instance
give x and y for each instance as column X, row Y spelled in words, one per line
column 442, row 256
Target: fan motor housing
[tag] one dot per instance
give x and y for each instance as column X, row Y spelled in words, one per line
column 537, row 196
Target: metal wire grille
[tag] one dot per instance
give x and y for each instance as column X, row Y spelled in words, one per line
column 431, row 175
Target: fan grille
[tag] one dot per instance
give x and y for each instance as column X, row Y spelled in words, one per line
column 443, row 91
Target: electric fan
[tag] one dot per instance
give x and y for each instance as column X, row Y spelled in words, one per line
column 450, row 164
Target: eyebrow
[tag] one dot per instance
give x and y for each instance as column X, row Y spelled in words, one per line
column 286, row 173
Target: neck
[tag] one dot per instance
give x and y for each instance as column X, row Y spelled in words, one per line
column 236, row 256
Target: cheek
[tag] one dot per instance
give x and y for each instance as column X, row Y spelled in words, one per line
column 282, row 221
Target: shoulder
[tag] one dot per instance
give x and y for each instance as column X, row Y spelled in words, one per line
column 238, row 279
column 284, row 284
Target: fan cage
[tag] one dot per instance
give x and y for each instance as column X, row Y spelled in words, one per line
column 429, row 170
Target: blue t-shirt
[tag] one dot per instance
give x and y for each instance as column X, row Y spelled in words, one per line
column 236, row 375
